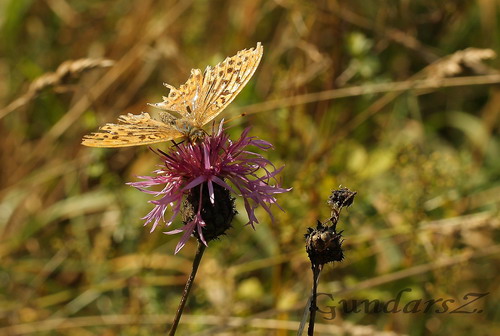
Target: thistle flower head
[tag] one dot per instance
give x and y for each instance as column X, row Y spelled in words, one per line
column 203, row 174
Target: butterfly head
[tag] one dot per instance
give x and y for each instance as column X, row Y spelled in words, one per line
column 195, row 135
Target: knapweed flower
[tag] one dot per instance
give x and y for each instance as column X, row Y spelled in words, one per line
column 199, row 177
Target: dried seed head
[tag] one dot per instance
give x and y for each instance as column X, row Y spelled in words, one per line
column 323, row 244
column 341, row 198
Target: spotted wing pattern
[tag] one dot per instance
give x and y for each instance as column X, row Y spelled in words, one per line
column 203, row 97
column 134, row 130
column 223, row 82
column 198, row 101
column 183, row 100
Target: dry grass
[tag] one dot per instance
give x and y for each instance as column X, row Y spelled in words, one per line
column 55, row 80
column 388, row 100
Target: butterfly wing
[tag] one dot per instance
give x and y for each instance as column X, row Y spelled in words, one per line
column 134, row 130
column 184, row 99
column 198, row 101
column 223, row 82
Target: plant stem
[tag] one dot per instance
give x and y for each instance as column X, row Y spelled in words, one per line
column 313, row 307
column 305, row 314
column 187, row 288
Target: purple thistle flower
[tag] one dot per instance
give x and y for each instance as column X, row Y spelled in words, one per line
column 216, row 163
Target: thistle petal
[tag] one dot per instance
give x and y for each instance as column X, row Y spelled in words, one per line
column 216, row 159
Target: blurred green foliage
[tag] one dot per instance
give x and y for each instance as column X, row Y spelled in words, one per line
column 425, row 162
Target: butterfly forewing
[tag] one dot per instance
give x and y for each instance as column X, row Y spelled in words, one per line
column 223, row 82
column 134, row 130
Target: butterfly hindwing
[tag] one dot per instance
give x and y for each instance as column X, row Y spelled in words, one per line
column 184, row 99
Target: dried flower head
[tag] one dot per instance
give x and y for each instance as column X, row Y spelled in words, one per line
column 199, row 173
column 324, row 243
column 339, row 198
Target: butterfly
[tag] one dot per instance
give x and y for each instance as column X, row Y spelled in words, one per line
column 198, row 101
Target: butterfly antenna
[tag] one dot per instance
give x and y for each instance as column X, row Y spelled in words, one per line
column 235, row 118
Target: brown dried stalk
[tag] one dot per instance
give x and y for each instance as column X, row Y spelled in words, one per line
column 67, row 69
column 457, row 62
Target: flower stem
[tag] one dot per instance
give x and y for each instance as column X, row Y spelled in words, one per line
column 305, row 314
column 313, row 307
column 187, row 288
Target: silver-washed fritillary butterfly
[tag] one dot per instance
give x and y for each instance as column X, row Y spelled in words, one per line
column 197, row 102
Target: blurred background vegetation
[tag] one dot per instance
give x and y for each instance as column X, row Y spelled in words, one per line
column 376, row 96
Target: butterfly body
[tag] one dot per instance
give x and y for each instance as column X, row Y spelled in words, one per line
column 191, row 132
column 185, row 110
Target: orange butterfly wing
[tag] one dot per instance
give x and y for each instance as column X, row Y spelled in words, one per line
column 134, row 130
column 198, row 101
column 223, row 82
